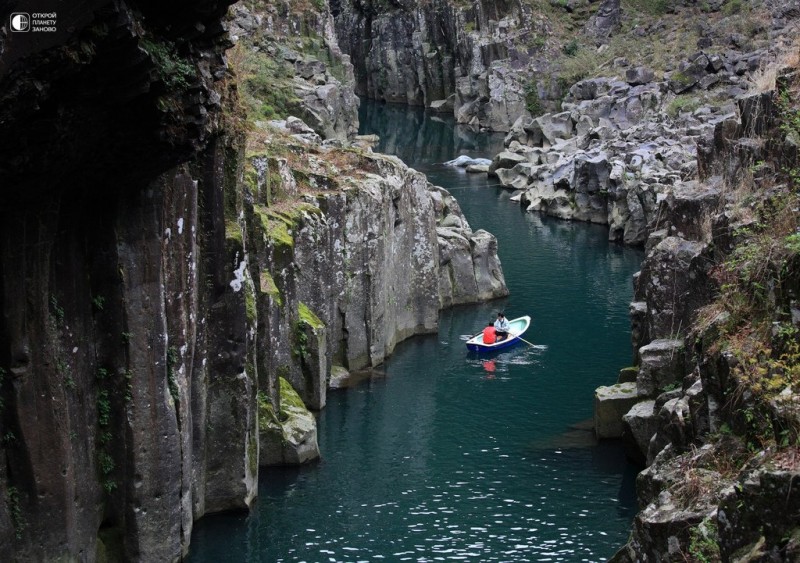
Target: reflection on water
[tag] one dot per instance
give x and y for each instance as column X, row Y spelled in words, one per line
column 449, row 455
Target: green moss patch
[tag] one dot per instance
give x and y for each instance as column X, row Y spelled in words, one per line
column 308, row 317
column 267, row 285
column 233, row 231
column 275, row 226
column 289, row 397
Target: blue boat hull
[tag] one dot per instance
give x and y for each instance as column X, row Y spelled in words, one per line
column 504, row 344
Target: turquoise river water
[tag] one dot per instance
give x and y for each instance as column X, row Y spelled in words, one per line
column 443, row 455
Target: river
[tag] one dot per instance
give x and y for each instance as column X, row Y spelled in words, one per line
column 444, row 455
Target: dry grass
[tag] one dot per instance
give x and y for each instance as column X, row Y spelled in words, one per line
column 763, row 80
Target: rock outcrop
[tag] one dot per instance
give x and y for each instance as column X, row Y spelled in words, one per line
column 334, row 251
column 288, row 437
column 624, row 142
column 294, row 65
column 717, row 347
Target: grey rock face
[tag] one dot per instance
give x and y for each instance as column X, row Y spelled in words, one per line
column 662, row 364
column 675, row 284
column 610, row 404
column 641, row 424
column 439, row 55
column 374, row 263
column 323, row 80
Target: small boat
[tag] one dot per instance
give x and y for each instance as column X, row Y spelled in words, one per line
column 517, row 328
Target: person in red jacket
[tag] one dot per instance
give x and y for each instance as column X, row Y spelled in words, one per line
column 489, row 334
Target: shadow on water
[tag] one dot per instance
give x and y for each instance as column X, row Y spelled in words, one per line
column 442, row 453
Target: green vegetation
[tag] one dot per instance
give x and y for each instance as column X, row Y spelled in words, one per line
column 649, row 7
column 103, row 408
column 105, row 461
column 56, row 311
column 532, row 102
column 571, row 48
column 683, row 103
column 175, row 72
column 15, row 511
column 266, row 84
column 233, row 231
column 250, row 300
column 289, row 397
column 280, row 222
column 276, row 226
column 288, row 400
column 732, row 7
column 703, row 545
column 299, row 341
column 268, row 286
column 308, row 317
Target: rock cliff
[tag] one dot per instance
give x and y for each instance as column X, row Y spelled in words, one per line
column 716, row 340
column 290, row 63
column 160, row 272
column 333, row 242
column 441, row 54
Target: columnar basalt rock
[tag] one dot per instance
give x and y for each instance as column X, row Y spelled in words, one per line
column 439, row 54
column 373, row 262
column 718, row 454
column 109, row 388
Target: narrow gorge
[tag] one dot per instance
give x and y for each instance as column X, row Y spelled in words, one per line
column 198, row 247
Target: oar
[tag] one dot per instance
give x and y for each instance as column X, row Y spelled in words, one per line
column 526, row 342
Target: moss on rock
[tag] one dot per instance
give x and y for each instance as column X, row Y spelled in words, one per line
column 308, row 317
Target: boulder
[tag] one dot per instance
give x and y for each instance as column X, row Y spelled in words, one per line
column 639, row 75
column 662, row 364
column 610, row 404
column 339, row 377
column 550, row 128
column 443, row 106
column 641, row 424
column 506, row 159
column 477, row 168
column 464, row 161
column 289, row 437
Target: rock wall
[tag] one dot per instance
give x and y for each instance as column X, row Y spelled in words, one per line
column 152, row 296
column 124, row 420
column 440, row 54
column 371, row 261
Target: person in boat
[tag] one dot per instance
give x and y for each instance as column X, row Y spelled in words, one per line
column 489, row 334
column 501, row 327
